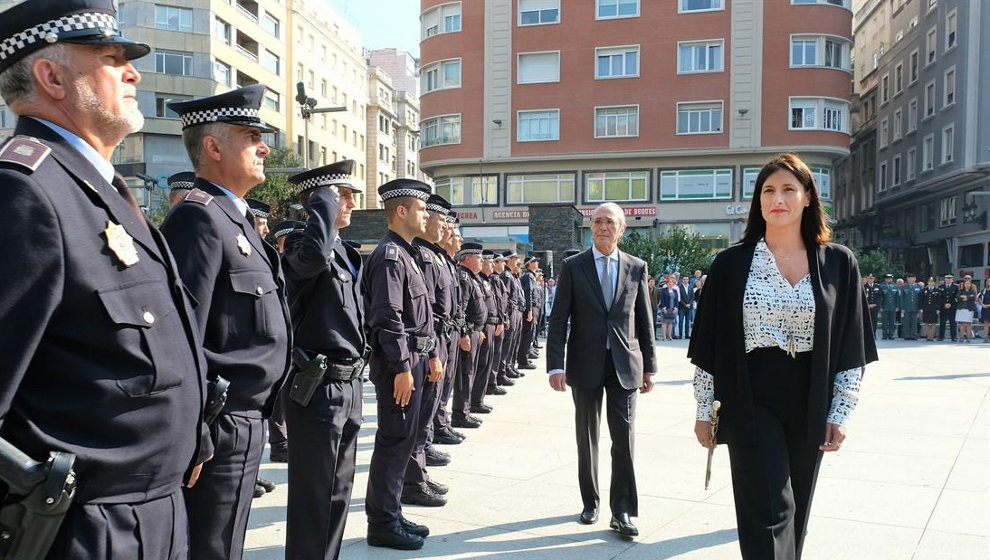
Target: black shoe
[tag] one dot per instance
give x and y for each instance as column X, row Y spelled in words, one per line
column 589, row 516
column 526, row 365
column 533, row 355
column 497, row 391
column 456, row 434
column 414, row 528
column 465, row 422
column 436, row 459
column 437, row 488
column 259, row 491
column 481, row 409
column 399, row 538
column 505, row 381
column 418, row 496
column 446, row 439
column 266, row 484
column 512, row 374
column 622, row 525
column 535, row 345
column 278, row 456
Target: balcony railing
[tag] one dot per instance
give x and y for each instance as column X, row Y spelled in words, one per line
column 247, row 53
column 246, row 12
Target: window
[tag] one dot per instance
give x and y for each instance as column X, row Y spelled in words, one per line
column 882, row 172
column 898, row 125
column 947, row 216
column 539, row 12
column 616, row 186
column 445, row 18
column 696, row 184
column 445, row 74
column 271, row 24
column 534, row 189
column 440, row 130
column 221, row 29
column 898, row 78
column 883, row 134
column 617, row 62
column 173, row 63
column 162, row 100
column 536, row 68
column 930, row 99
column 912, row 164
column 699, row 118
column 895, row 170
column 700, row 57
column 271, row 62
column 173, row 18
column 699, row 5
column 913, row 67
column 950, row 30
column 538, row 126
column 616, row 122
column 821, row 175
column 609, row 9
column 949, row 87
column 884, row 89
column 928, row 153
column 469, row 191
column 948, row 143
column 221, row 73
column 813, row 50
column 809, row 113
column 912, row 115
column 931, row 43
column 272, row 100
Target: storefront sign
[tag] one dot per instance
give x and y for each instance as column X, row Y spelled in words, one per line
column 632, row 211
column 510, row 215
column 466, row 215
column 739, row 210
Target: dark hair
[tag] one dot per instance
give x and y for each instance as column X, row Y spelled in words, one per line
column 814, row 223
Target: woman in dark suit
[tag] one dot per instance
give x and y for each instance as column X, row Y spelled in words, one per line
column 669, row 298
column 929, row 309
column 781, row 339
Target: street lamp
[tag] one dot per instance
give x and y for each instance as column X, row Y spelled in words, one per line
column 307, row 106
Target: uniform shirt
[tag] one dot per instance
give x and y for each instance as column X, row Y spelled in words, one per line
column 439, row 280
column 491, row 305
column 528, row 282
column 778, row 315
column 911, row 297
column 891, row 296
column 475, row 310
column 397, row 302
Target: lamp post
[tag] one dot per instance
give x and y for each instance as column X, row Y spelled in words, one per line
column 307, row 106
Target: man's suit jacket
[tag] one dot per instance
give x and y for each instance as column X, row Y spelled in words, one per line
column 626, row 325
column 686, row 295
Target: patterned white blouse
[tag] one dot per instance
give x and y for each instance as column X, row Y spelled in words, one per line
column 776, row 314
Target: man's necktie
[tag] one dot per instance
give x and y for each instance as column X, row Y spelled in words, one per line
column 608, row 290
column 121, row 187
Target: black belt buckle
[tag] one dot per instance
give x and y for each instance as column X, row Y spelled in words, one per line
column 423, row 344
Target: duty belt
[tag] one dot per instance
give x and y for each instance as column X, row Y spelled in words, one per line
column 341, row 370
column 492, row 320
column 447, row 325
column 421, row 344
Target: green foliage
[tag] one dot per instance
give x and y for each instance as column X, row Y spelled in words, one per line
column 276, row 191
column 877, row 263
column 677, row 250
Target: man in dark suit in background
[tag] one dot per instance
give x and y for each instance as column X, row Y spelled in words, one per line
column 684, row 305
column 603, row 293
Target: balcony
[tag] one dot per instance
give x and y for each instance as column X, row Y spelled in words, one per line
column 246, row 46
column 248, row 8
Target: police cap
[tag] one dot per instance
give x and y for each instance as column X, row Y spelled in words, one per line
column 287, row 227
column 258, row 208
column 239, row 107
column 182, row 181
column 438, row 204
column 399, row 188
column 340, row 174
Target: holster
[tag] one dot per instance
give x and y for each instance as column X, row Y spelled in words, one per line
column 36, row 496
column 308, row 376
column 216, row 398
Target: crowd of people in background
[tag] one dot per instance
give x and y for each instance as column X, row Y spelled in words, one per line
column 674, row 297
column 907, row 309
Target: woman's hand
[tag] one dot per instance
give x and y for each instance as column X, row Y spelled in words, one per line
column 703, row 431
column 834, row 436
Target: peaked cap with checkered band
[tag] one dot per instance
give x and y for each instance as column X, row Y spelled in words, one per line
column 181, row 181
column 33, row 24
column 340, row 174
column 398, row 188
column 239, row 107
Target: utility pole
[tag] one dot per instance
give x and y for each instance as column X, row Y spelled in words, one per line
column 307, row 106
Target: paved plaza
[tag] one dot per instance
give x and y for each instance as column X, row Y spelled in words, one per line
column 912, row 480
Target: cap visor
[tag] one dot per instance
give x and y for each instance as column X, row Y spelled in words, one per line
column 132, row 49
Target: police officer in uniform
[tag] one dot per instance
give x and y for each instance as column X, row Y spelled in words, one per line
column 528, row 282
column 236, row 280
column 443, row 433
column 279, row 233
column 492, row 328
column 400, row 329
column 472, row 335
column 101, row 355
column 948, row 298
column 498, row 381
column 874, row 297
column 326, row 299
column 516, row 302
column 179, row 185
column 890, row 304
column 910, row 305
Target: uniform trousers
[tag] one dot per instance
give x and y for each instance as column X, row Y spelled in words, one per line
column 483, row 371
column 154, row 530
column 526, row 343
column 441, row 420
column 943, row 316
column 620, row 414
column 909, row 325
column 322, row 459
column 874, row 311
column 508, row 338
column 220, row 502
column 495, row 376
column 889, row 318
column 394, row 441
column 773, row 477
column 468, row 363
column 278, row 437
column 430, row 402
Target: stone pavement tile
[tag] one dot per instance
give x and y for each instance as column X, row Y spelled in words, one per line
column 970, row 475
column 829, row 539
column 975, row 449
column 864, row 438
column 936, row 545
column 895, row 469
column 704, row 531
column 962, row 512
column 874, row 502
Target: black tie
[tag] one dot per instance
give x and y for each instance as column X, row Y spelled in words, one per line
column 120, row 185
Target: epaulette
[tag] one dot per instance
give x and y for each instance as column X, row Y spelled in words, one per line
column 392, row 252
column 24, row 151
column 426, row 255
column 200, row 196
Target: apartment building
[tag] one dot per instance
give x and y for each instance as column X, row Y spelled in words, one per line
column 667, row 108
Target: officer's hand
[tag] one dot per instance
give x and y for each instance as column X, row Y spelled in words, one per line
column 529, row 316
column 558, row 382
column 465, row 343
column 436, row 370
column 499, row 329
column 403, row 388
column 647, row 383
column 508, row 325
column 481, row 337
column 194, row 475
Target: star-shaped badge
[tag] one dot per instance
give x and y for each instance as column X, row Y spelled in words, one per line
column 243, row 245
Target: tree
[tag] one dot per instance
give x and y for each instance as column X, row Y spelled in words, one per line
column 875, row 262
column 676, row 250
column 277, row 191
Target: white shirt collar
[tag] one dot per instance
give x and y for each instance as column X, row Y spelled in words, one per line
column 613, row 256
column 238, row 202
column 103, row 167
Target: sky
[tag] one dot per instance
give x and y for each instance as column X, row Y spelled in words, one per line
column 384, row 23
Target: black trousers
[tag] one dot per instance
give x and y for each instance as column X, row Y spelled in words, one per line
column 509, row 347
column 441, row 420
column 526, row 342
column 620, row 413
column 467, row 364
column 943, row 316
column 483, row 372
column 220, row 502
column 278, row 437
column 154, row 530
column 496, row 374
column 429, row 403
column 322, row 459
column 394, row 441
column 874, row 311
column 773, row 480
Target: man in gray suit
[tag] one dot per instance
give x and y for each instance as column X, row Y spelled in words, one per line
column 603, row 293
